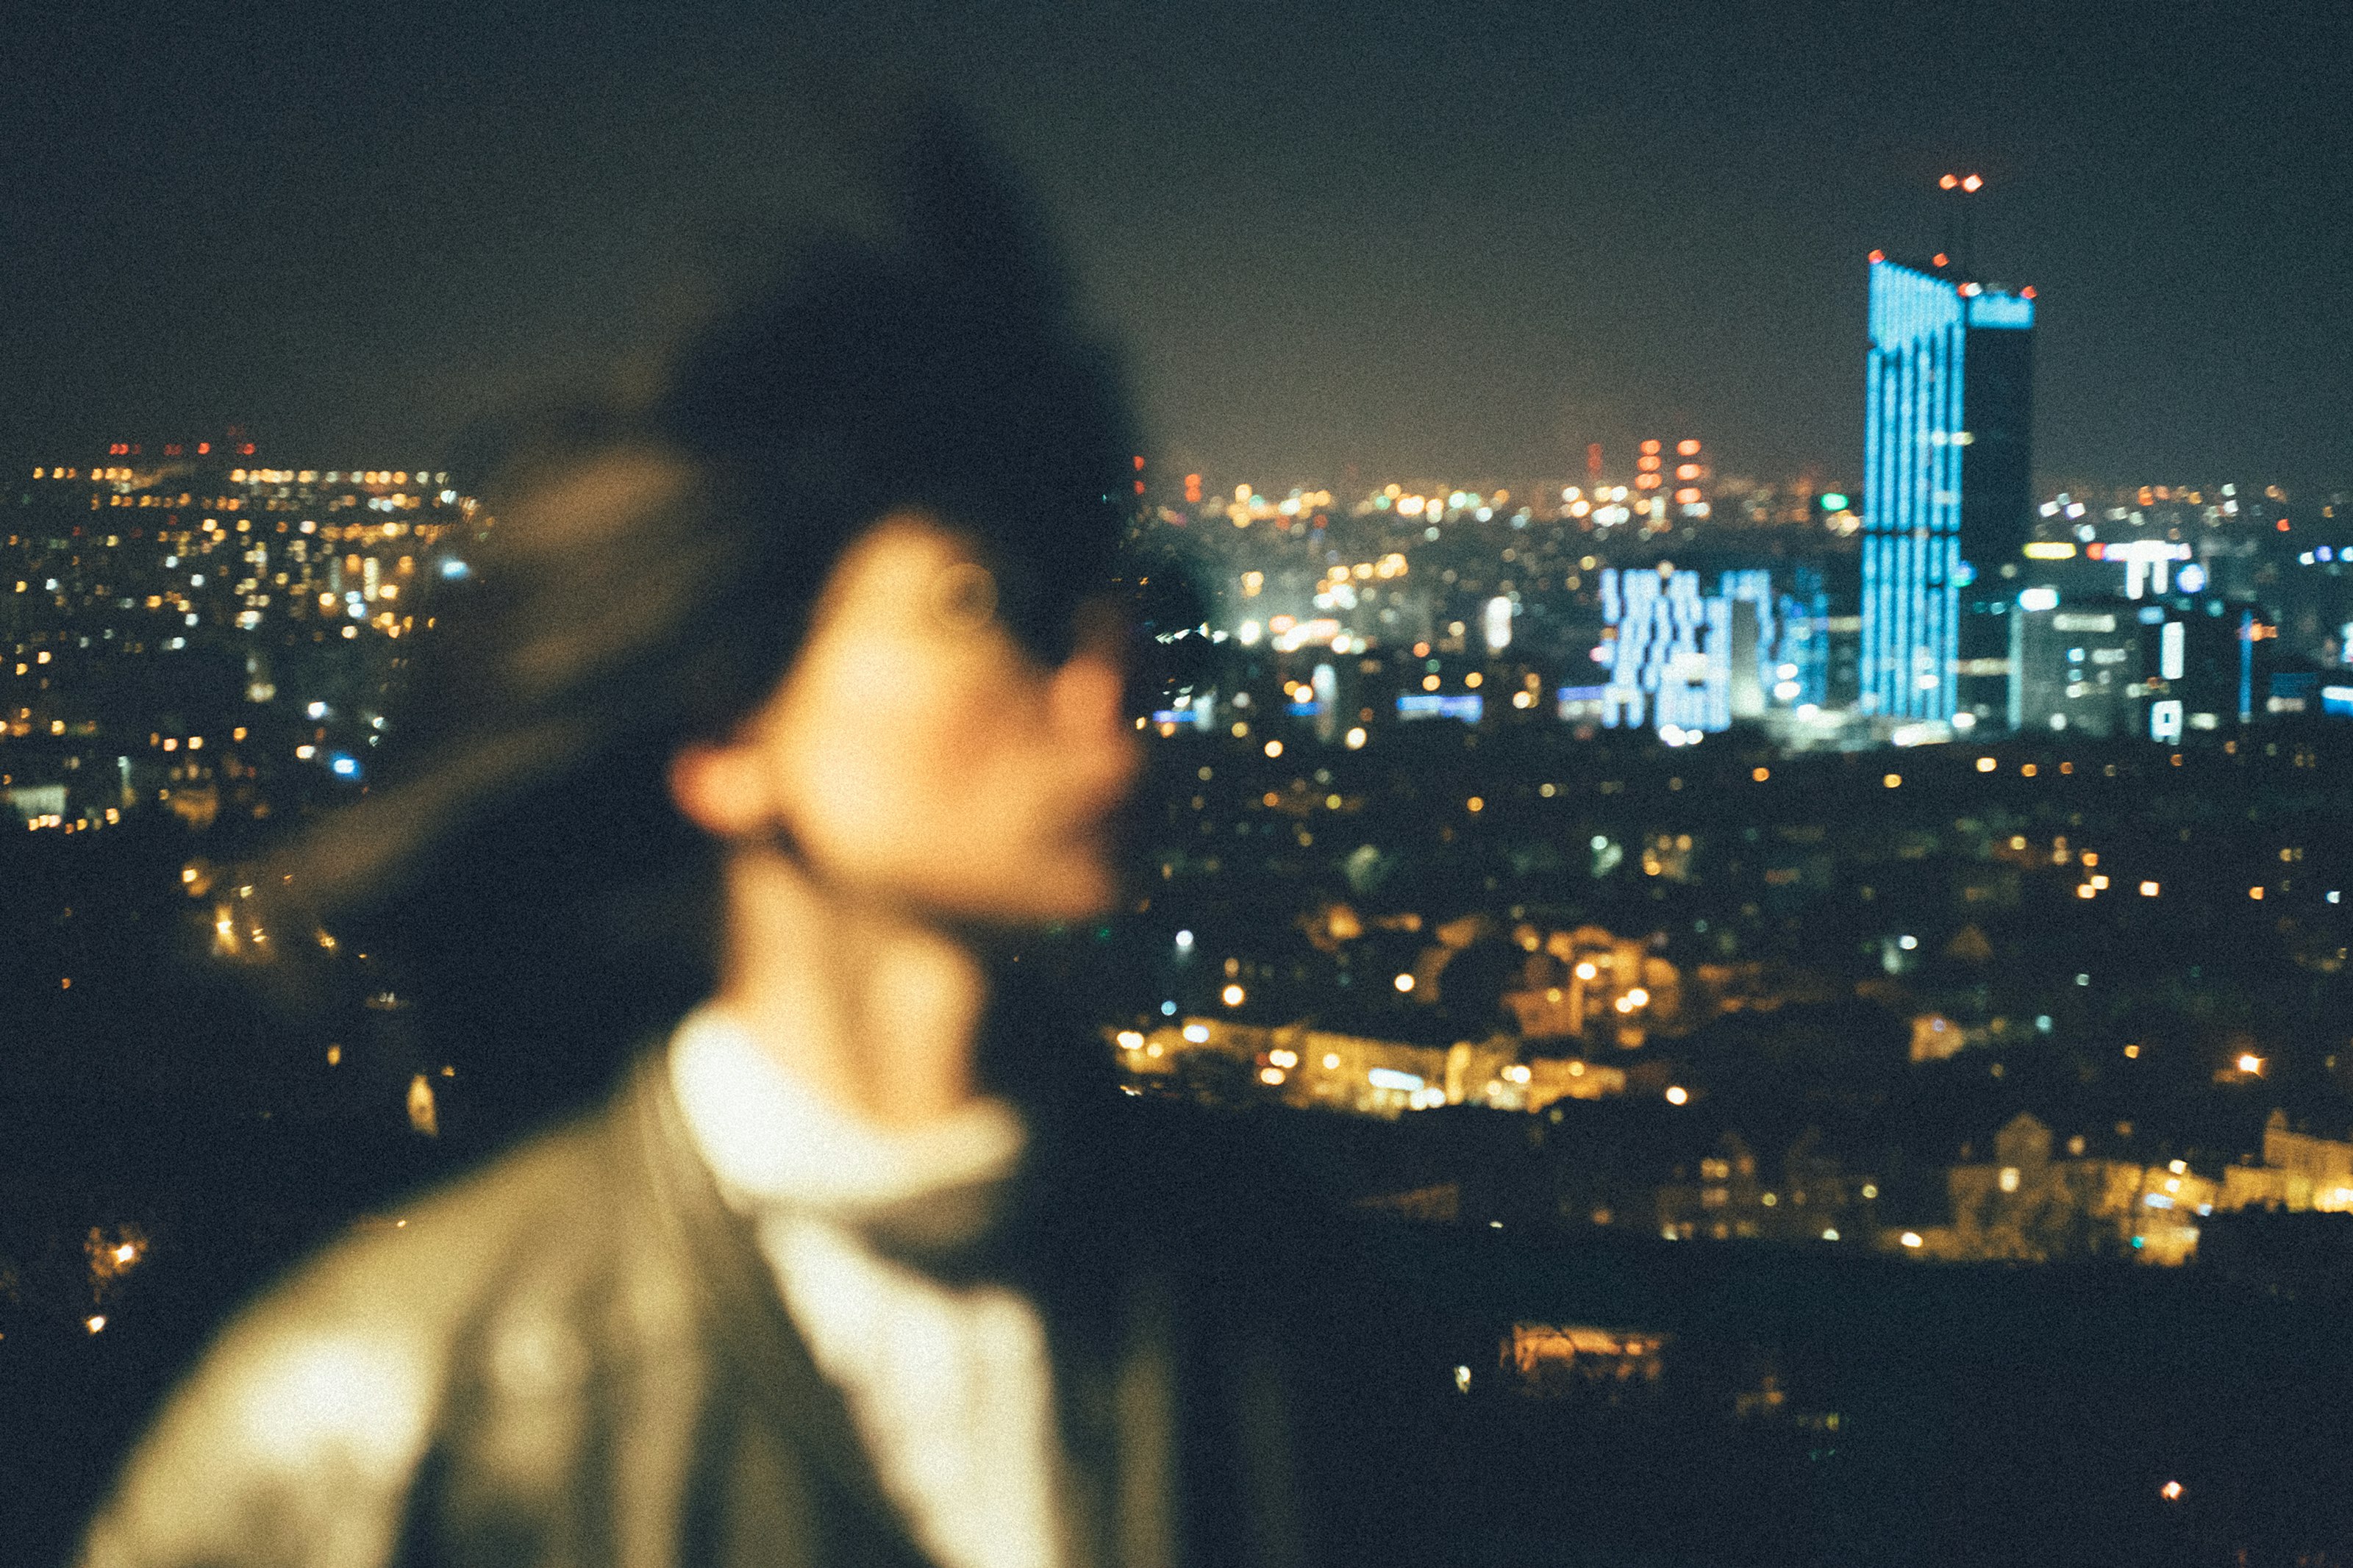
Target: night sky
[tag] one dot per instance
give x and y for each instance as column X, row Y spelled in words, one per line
column 1443, row 241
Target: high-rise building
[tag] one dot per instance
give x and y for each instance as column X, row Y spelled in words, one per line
column 1946, row 498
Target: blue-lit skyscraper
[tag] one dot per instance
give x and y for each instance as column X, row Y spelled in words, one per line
column 1946, row 494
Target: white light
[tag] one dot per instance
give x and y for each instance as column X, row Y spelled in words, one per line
column 1185, row 940
column 1497, row 628
column 2032, row 599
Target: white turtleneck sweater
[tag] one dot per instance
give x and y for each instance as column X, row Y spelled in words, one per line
column 951, row 1388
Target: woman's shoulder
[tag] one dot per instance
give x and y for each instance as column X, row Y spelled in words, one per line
column 295, row 1438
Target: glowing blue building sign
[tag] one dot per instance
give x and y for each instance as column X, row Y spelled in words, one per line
column 2000, row 309
column 1469, row 707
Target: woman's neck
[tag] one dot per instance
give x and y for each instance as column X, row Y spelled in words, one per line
column 875, row 1008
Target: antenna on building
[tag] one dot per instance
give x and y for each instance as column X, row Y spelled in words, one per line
column 1956, row 236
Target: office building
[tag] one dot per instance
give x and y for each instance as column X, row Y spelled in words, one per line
column 2077, row 666
column 1946, row 500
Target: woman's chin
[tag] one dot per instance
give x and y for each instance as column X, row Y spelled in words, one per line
column 1045, row 897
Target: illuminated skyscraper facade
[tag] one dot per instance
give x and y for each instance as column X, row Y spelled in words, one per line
column 1946, row 497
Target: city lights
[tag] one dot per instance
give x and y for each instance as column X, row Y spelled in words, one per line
column 2128, row 685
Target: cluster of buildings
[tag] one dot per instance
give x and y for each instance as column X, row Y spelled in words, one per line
column 1939, row 601
column 2032, row 1204
column 1429, row 698
column 192, row 630
column 1311, row 1069
column 2034, row 1201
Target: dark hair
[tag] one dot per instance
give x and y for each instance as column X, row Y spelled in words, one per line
column 645, row 575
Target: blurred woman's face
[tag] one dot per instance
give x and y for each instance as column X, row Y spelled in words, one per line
column 915, row 755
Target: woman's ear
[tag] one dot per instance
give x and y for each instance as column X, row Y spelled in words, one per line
column 719, row 787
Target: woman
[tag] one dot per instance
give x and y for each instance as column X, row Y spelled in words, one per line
column 773, row 709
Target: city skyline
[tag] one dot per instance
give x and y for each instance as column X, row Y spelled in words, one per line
column 1707, row 722
column 1322, row 241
